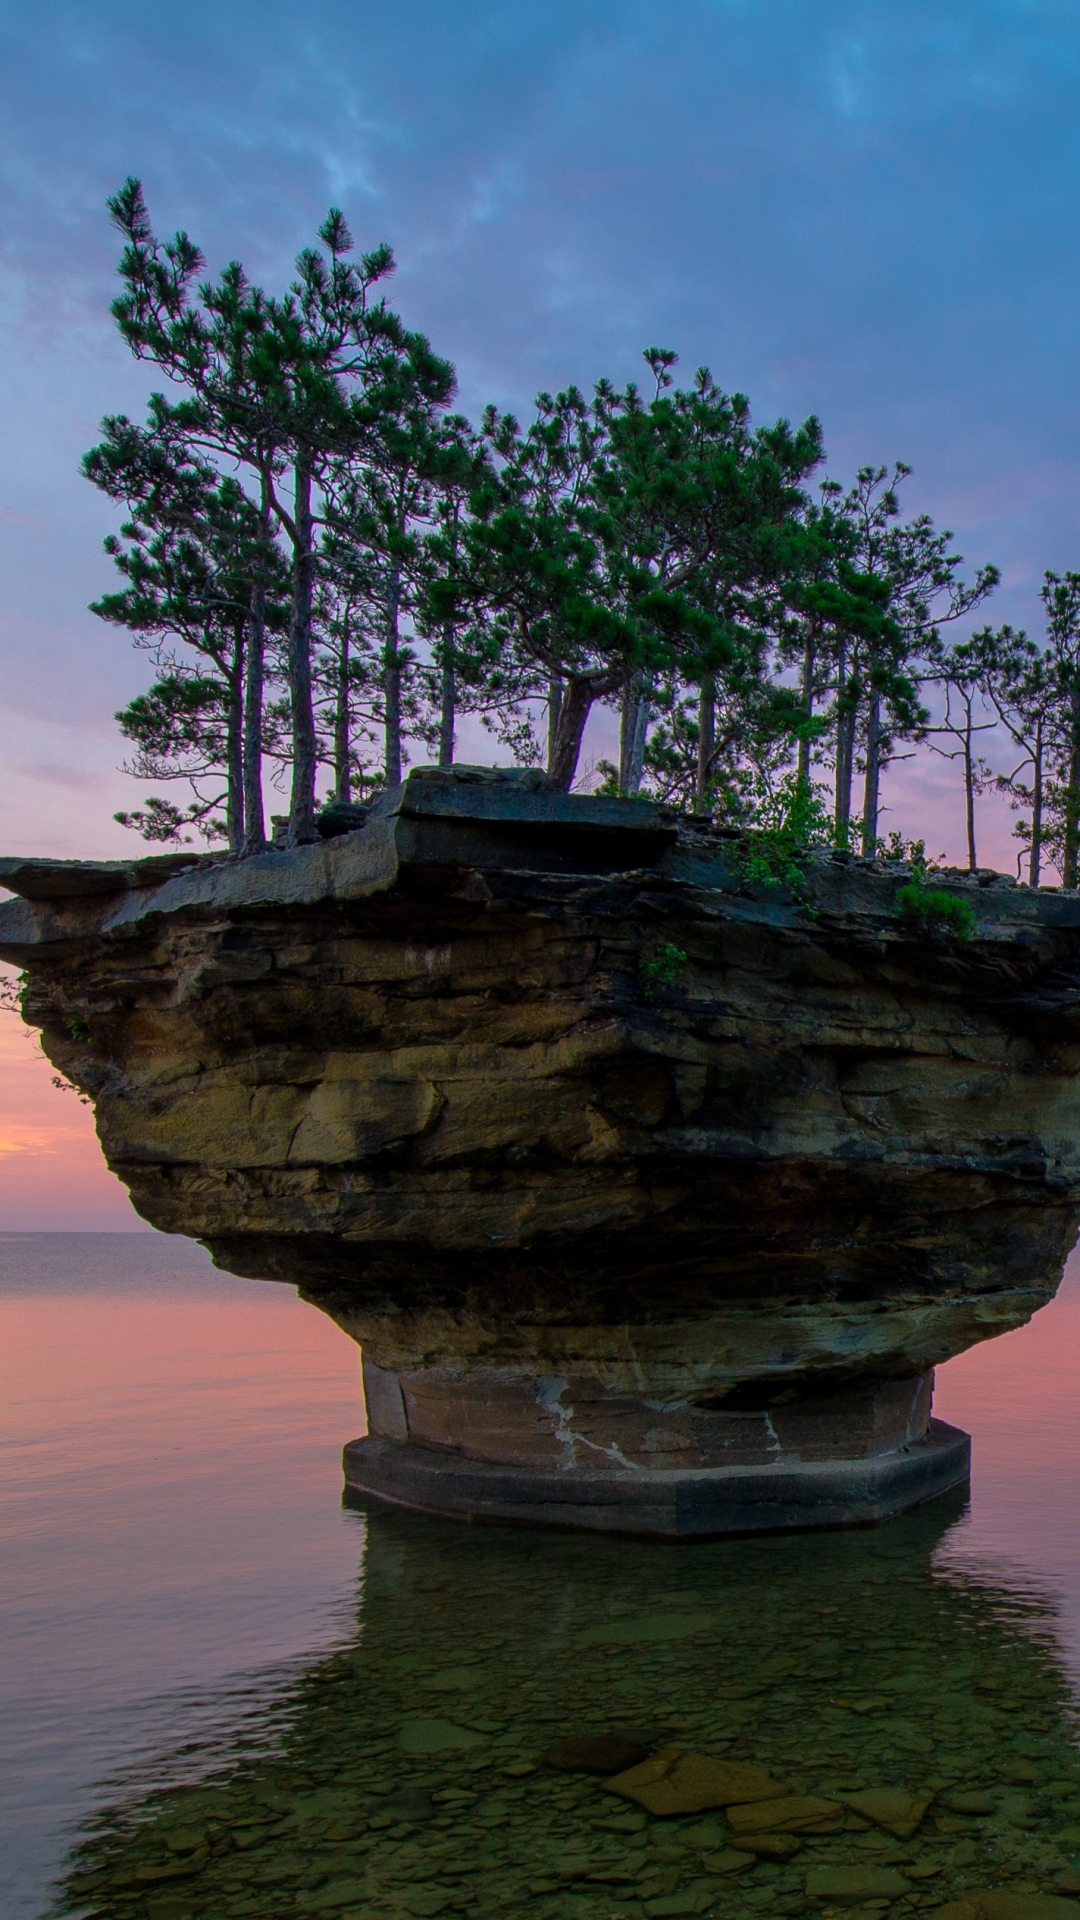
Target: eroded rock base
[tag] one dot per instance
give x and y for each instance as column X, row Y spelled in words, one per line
column 689, row 1504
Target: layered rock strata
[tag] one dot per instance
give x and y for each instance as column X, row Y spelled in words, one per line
column 652, row 1196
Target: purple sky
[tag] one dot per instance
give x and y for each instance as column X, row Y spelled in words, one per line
column 866, row 211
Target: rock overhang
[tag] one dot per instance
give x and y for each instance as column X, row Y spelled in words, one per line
column 428, row 1071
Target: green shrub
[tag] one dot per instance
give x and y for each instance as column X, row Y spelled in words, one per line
column 936, row 909
column 786, row 824
column 661, row 967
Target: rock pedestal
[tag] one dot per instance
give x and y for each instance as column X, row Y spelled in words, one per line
column 652, row 1196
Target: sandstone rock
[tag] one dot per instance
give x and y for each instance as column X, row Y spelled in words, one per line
column 673, row 1782
column 855, row 1883
column 597, row 1753
column 893, row 1808
column 795, row 1813
column 418, row 1070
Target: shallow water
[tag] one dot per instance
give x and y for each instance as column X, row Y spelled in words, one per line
column 225, row 1695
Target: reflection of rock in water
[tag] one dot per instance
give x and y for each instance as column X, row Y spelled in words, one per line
column 408, row 1781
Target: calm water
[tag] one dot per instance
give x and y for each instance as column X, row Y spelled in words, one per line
column 222, row 1694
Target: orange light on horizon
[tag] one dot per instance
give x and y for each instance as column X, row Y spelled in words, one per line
column 52, row 1171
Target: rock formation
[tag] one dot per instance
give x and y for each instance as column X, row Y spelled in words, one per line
column 652, row 1196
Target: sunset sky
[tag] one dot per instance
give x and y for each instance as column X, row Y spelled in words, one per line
column 864, row 211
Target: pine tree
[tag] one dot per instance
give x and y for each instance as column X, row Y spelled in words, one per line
column 191, row 554
column 278, row 385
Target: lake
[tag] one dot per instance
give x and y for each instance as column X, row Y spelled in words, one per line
column 222, row 1693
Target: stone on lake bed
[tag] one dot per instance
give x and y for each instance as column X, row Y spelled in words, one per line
column 728, row 1860
column 855, row 1883
column 423, row 1902
column 673, row 1782
column 408, row 1803
column 454, row 1679
column 794, row 1813
column 340, row 1893
column 770, row 1846
column 184, row 1839
column 893, row 1808
column 713, row 1832
column 673, row 1906
column 597, row 1753
column 436, row 1736
column 1003, row 1904
column 657, row 1629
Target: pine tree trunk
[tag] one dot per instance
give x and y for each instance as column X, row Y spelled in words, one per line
column 554, row 714
column 802, row 772
column 872, row 783
column 234, row 745
column 706, row 741
column 304, row 748
column 969, row 793
column 1071, row 837
column 392, row 683
column 342, row 723
column 845, row 758
column 1035, row 860
column 633, row 733
column 254, row 670
column 574, row 708
column 447, row 703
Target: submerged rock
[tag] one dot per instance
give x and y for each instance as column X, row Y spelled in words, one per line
column 672, row 1782
column 893, row 1808
column 608, row 1753
column 794, row 1813
column 856, row 1883
column 1005, row 1905
column 437, row 1736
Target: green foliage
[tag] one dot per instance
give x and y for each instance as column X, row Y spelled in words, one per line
column 935, row 909
column 897, row 851
column 328, row 567
column 78, row 1028
column 662, row 967
column 164, row 822
column 789, row 821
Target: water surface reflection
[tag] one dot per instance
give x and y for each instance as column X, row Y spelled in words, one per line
column 245, row 1701
column 408, row 1776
